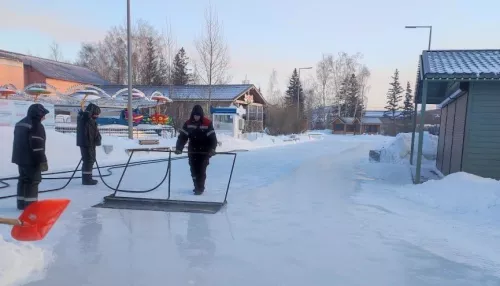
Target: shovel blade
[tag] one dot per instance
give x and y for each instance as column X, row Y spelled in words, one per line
column 38, row 218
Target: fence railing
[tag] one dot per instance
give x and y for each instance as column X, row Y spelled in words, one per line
column 165, row 132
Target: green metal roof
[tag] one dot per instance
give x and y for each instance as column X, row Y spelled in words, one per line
column 443, row 68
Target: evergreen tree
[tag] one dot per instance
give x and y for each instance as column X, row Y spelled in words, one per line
column 408, row 102
column 394, row 96
column 341, row 98
column 295, row 87
column 349, row 97
column 151, row 68
column 407, row 107
column 354, row 104
column 180, row 75
column 161, row 76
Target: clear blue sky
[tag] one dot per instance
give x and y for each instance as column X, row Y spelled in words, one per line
column 267, row 34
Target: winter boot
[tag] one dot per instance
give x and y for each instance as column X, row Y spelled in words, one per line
column 20, row 195
column 87, row 180
column 195, row 190
column 200, row 188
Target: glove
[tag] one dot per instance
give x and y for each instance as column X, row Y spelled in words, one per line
column 178, row 151
column 211, row 152
column 44, row 167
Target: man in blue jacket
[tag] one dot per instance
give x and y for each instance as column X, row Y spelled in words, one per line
column 28, row 153
column 200, row 132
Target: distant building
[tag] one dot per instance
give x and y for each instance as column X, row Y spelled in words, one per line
column 350, row 125
column 22, row 70
column 184, row 97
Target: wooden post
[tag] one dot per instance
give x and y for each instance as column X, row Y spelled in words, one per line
column 421, row 133
column 413, row 133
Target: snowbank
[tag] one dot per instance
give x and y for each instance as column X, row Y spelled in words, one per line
column 63, row 154
column 458, row 193
column 398, row 149
column 20, row 262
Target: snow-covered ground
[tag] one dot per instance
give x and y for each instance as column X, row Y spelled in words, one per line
column 317, row 213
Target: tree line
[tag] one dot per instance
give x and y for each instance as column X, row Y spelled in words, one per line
column 339, row 88
column 399, row 110
column 156, row 59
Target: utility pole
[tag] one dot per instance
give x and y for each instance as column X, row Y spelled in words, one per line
column 129, row 51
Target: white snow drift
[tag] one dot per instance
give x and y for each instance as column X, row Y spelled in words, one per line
column 397, row 150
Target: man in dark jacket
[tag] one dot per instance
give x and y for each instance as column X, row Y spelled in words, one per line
column 87, row 138
column 200, row 132
column 28, row 153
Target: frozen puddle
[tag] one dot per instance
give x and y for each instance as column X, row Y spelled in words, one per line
column 298, row 227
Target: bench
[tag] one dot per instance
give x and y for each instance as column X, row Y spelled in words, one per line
column 149, row 141
column 315, row 136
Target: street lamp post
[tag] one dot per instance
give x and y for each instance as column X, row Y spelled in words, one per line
column 298, row 93
column 423, row 27
column 414, row 114
column 129, row 67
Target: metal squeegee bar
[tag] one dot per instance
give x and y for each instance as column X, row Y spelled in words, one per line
column 168, row 173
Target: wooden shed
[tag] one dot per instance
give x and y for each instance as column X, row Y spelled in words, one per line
column 345, row 125
column 466, row 84
column 350, row 125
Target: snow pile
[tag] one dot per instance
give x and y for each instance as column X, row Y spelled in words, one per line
column 458, row 193
column 398, row 149
column 63, row 154
column 19, row 262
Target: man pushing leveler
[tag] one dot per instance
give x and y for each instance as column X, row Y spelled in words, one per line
column 202, row 143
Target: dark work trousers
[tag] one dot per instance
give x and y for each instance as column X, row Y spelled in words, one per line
column 88, row 160
column 198, row 165
column 27, row 185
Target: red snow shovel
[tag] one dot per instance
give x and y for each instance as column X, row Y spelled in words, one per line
column 36, row 220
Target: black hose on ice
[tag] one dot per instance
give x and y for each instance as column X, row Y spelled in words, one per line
column 109, row 172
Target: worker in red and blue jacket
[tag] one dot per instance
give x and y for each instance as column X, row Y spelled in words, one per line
column 200, row 132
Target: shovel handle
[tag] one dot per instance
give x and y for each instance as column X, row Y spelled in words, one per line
column 10, row 221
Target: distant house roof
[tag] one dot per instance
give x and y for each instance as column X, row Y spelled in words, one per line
column 371, row 120
column 364, row 120
column 378, row 113
column 228, row 92
column 57, row 70
column 441, row 66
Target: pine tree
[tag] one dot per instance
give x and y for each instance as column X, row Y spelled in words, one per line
column 180, row 75
column 151, row 68
column 394, row 96
column 340, row 98
column 161, row 76
column 295, row 87
column 408, row 102
column 353, row 102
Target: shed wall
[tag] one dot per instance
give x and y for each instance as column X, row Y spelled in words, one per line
column 442, row 132
column 448, row 137
column 458, row 134
column 481, row 154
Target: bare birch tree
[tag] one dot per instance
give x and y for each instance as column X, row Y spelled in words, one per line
column 55, row 52
column 213, row 52
column 169, row 45
column 274, row 95
column 324, row 75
